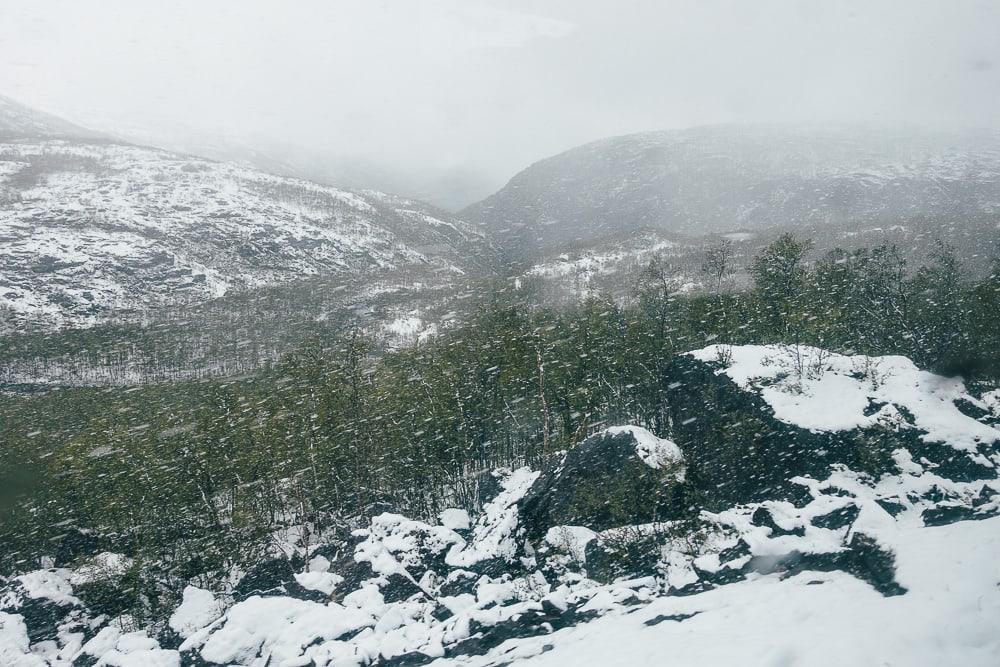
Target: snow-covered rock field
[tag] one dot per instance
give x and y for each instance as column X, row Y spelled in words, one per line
column 895, row 564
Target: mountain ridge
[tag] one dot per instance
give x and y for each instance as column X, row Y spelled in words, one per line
column 95, row 229
column 720, row 178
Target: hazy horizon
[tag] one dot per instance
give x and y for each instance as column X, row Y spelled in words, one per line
column 447, row 100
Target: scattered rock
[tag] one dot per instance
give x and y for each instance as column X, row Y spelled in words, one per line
column 656, row 620
column 838, row 518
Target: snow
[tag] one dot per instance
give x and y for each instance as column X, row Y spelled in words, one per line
column 324, row 582
column 197, row 610
column 945, row 610
column 394, row 543
column 52, row 585
column 277, row 629
column 106, row 565
column 455, row 519
column 572, row 540
column 107, row 227
column 14, row 647
column 113, row 648
column 655, row 452
column 824, row 391
column 948, row 617
column 495, row 531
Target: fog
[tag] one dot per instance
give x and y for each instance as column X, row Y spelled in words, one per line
column 447, row 99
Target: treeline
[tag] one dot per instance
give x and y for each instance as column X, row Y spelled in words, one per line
column 196, row 479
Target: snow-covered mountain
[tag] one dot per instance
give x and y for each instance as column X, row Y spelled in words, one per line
column 93, row 229
column 722, row 178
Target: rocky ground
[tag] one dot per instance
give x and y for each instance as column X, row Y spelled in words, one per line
column 805, row 508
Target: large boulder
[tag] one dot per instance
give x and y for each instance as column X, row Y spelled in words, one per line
column 750, row 418
column 620, row 476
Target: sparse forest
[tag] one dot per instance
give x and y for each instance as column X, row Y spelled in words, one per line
column 195, row 480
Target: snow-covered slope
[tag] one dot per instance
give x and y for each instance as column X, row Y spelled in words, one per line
column 948, row 616
column 721, row 178
column 897, row 565
column 91, row 230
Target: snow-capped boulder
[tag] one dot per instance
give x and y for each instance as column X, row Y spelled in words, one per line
column 749, row 418
column 620, row 476
column 455, row 519
column 198, row 609
column 15, row 644
column 496, row 539
column 44, row 601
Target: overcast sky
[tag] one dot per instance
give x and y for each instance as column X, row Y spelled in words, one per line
column 445, row 88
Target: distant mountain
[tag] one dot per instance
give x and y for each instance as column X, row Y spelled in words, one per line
column 96, row 230
column 714, row 179
column 18, row 121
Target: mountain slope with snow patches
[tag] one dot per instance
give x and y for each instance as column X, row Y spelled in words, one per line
column 90, row 231
column 723, row 178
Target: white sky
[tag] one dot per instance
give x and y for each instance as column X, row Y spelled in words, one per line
column 484, row 87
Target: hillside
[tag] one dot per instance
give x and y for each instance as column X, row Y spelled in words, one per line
column 725, row 178
column 92, row 231
column 876, row 522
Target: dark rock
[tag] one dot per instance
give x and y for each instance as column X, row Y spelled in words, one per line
column 86, row 660
column 934, row 494
column 488, row 486
column 953, row 464
column 442, row 613
column 42, row 617
column 671, row 617
column 494, row 567
column 738, row 452
column 863, row 559
column 942, row 515
column 985, row 495
column 626, row 557
column 410, row 659
column 891, row 506
column 530, row 624
column 194, row 659
column 735, row 449
column 168, row 638
column 267, row 578
column 798, row 495
column 354, row 572
column 459, row 582
column 274, row 577
column 946, row 514
column 739, row 550
column 838, row 518
column 398, row 588
column 77, row 544
column 762, row 517
column 602, row 483
column 866, row 560
column 720, row 577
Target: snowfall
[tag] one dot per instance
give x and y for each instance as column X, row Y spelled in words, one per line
column 942, row 607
